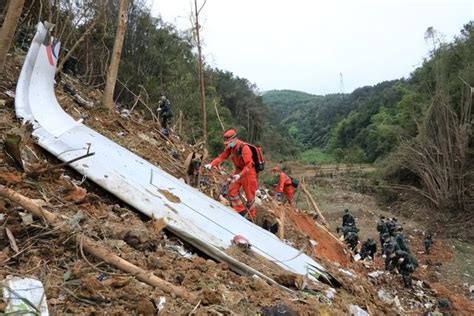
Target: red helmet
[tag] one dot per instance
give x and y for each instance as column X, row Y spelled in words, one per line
column 229, row 136
column 241, row 241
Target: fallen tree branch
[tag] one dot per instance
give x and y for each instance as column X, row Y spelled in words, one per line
column 96, row 250
column 315, row 206
column 218, row 116
column 62, row 164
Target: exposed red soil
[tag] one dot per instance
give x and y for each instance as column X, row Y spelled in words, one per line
column 328, row 247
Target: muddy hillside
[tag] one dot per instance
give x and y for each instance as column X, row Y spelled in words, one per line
column 94, row 254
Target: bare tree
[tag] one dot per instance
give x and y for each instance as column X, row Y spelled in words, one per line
column 89, row 29
column 112, row 72
column 202, row 94
column 8, row 28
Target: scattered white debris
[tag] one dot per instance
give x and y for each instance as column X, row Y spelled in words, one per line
column 396, row 300
column 26, row 218
column 375, row 274
column 81, row 101
column 330, row 293
column 24, row 296
column 125, row 113
column 385, row 296
column 357, row 257
column 471, row 289
column 355, row 310
column 181, row 250
column 10, row 93
column 346, row 272
column 160, row 304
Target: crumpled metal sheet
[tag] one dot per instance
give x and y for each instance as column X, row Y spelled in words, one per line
column 132, row 179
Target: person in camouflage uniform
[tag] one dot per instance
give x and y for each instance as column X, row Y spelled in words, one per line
column 400, row 239
column 390, row 248
column 382, row 229
column 369, row 248
column 428, row 242
column 348, row 219
column 406, row 265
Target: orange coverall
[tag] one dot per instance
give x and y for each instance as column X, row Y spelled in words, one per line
column 241, row 156
column 285, row 186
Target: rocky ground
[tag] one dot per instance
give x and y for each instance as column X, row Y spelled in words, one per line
column 78, row 283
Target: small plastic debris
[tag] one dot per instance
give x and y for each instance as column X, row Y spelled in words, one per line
column 355, row 310
column 347, row 272
column 385, row 296
column 357, row 257
column 330, row 293
column 471, row 289
column 125, row 113
column 160, row 304
column 396, row 300
column 181, row 250
column 10, row 93
column 24, row 296
column 375, row 274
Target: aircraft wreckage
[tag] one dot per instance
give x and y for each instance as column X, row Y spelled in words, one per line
column 193, row 216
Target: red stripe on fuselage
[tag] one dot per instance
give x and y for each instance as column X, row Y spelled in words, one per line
column 50, row 56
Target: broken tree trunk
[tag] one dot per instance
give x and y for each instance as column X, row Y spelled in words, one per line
column 96, row 250
column 107, row 98
column 315, row 206
column 8, row 28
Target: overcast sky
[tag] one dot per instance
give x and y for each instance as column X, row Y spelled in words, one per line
column 305, row 44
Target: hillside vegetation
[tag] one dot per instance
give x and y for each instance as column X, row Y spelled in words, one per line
column 369, row 123
column 157, row 58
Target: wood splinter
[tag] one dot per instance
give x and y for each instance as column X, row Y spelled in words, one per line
column 93, row 248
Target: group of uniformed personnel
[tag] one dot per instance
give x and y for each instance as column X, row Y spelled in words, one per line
column 395, row 248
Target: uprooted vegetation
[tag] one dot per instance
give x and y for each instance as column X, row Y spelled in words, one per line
column 77, row 282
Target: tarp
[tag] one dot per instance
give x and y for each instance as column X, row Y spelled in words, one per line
column 190, row 213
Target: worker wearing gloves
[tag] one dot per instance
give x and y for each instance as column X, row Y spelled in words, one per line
column 244, row 176
column 284, row 186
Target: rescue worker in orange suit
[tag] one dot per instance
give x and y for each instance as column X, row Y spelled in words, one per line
column 244, row 176
column 284, row 185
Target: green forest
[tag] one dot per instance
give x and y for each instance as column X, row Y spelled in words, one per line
column 369, row 123
column 157, row 58
column 416, row 127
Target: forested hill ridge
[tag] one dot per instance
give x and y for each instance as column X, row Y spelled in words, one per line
column 370, row 122
column 156, row 58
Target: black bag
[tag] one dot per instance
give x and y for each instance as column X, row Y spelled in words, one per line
column 295, row 182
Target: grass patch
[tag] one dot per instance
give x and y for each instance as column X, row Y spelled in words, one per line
column 317, row 156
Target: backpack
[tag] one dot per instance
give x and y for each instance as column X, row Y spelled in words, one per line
column 257, row 156
column 295, row 182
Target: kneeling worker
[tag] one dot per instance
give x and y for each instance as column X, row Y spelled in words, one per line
column 285, row 185
column 245, row 175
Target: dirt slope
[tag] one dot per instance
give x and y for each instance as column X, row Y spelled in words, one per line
column 77, row 283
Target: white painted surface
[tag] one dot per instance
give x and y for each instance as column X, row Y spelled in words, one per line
column 128, row 176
